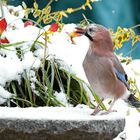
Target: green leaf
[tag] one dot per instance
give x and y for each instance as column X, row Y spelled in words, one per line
column 48, row 10
column 35, row 5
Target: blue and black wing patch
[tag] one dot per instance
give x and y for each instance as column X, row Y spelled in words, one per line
column 122, row 77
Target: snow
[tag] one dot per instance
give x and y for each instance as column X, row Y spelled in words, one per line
column 132, row 117
column 12, row 19
column 30, row 61
column 29, row 33
column 61, row 96
column 4, row 95
column 9, row 69
column 53, row 113
column 13, row 10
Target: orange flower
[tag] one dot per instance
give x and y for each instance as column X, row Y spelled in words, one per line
column 54, row 27
column 3, row 25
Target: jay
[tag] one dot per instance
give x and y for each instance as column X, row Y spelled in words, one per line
column 103, row 69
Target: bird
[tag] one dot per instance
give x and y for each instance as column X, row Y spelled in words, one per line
column 103, row 69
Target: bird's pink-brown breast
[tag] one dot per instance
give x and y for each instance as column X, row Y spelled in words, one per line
column 101, row 76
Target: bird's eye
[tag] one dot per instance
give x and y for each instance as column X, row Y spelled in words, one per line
column 91, row 30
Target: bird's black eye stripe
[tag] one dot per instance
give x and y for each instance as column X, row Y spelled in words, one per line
column 87, row 35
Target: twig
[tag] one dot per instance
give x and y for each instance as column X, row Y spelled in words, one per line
column 85, row 18
column 133, row 27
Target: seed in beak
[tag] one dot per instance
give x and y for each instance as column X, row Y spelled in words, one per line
column 77, row 33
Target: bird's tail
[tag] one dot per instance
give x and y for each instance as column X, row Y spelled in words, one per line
column 132, row 100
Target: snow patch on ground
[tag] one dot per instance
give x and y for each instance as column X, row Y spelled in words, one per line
column 132, row 117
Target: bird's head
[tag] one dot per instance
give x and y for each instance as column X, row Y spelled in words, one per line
column 97, row 34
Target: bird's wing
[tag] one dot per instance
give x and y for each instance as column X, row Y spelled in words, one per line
column 119, row 71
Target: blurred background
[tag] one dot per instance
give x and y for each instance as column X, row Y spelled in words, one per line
column 110, row 13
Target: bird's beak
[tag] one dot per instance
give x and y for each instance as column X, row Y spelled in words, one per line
column 78, row 32
column 81, row 31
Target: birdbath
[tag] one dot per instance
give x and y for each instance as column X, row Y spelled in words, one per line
column 57, row 123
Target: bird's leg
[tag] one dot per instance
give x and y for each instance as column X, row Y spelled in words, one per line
column 97, row 108
column 110, row 108
column 112, row 104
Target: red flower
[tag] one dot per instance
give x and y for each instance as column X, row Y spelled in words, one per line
column 4, row 40
column 3, row 25
column 28, row 23
column 54, row 27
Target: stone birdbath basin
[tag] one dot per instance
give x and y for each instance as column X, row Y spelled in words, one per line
column 57, row 123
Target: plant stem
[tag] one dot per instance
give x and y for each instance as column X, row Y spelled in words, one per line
column 85, row 18
column 133, row 27
column 44, row 59
column 1, row 8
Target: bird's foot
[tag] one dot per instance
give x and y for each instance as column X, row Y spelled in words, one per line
column 96, row 112
column 107, row 112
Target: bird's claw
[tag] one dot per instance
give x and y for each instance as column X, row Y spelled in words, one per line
column 107, row 112
column 96, row 112
column 99, row 112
